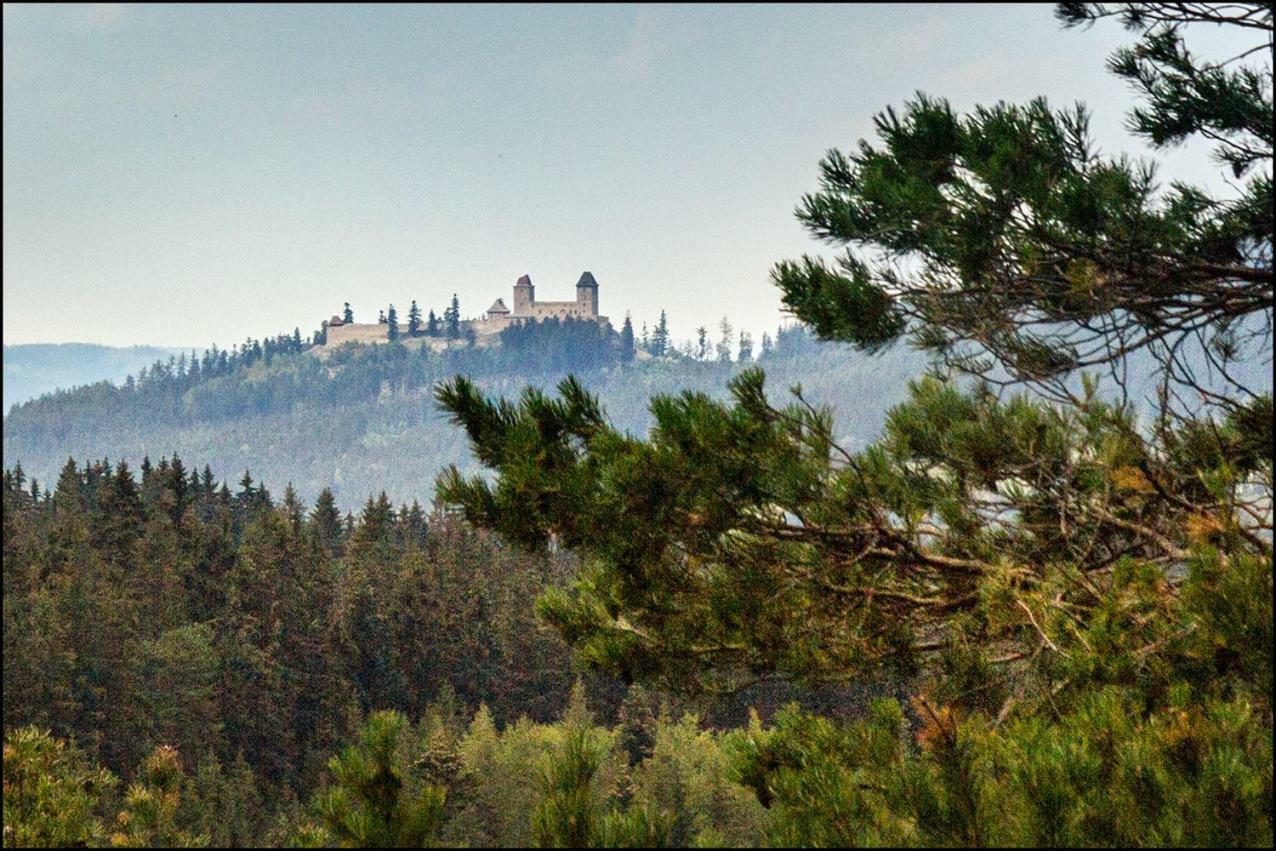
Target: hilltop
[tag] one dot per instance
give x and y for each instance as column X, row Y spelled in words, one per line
column 362, row 419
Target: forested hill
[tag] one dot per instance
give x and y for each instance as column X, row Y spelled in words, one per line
column 32, row 370
column 364, row 420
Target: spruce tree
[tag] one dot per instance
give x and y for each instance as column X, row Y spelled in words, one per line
column 432, row 325
column 348, row 315
column 452, row 318
column 392, row 321
column 325, row 521
column 414, row 320
column 660, row 337
column 627, row 340
column 724, row 343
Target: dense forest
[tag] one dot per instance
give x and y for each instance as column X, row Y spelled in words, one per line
column 212, row 648
column 1031, row 604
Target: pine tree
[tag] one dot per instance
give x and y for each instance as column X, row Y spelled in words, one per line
column 392, row 320
column 414, row 320
column 375, row 800
column 325, row 520
column 1055, row 584
column 151, row 804
column 745, row 351
column 627, row 340
column 660, row 337
column 724, row 344
column 1039, row 271
column 452, row 318
column 50, row 794
column 348, row 315
column 432, row 325
column 702, row 343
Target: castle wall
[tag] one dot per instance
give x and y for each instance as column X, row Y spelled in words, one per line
column 357, row 332
column 561, row 309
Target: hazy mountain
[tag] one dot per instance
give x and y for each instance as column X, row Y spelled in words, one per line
column 35, row 369
column 364, row 420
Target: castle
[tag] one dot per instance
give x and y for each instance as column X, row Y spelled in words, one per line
column 497, row 318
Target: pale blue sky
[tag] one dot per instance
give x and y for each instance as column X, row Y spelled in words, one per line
column 182, row 175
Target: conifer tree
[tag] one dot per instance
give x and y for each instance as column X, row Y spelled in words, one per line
column 702, row 343
column 432, row 325
column 414, row 320
column 392, row 320
column 768, row 346
column 149, row 818
column 50, row 794
column 627, row 340
column 724, row 344
column 1054, row 583
column 660, row 337
column 375, row 800
column 348, row 315
column 325, row 520
column 452, row 319
column 1070, row 260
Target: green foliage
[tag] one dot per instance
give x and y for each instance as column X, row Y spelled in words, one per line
column 1003, row 232
column 375, row 800
column 149, row 818
column 452, row 319
column 254, row 636
column 414, row 320
column 50, row 794
column 688, row 776
column 392, row 321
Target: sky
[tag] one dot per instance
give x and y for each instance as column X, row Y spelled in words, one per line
column 186, row 175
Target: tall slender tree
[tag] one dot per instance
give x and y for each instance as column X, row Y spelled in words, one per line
column 660, row 337
column 627, row 340
column 414, row 320
column 392, row 321
column 452, row 318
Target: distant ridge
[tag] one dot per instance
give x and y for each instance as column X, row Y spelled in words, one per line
column 31, row 370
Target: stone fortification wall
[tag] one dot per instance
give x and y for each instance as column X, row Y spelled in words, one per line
column 356, row 332
column 561, row 309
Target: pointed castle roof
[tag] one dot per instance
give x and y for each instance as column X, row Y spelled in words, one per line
column 525, row 281
column 587, row 280
column 498, row 306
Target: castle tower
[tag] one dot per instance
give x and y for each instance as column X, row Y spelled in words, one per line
column 524, row 295
column 587, row 294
